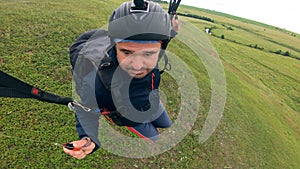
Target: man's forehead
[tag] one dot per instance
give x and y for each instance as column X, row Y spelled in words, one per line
column 137, row 46
column 117, row 40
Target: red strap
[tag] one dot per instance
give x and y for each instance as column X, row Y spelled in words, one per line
column 106, row 112
column 138, row 133
column 153, row 76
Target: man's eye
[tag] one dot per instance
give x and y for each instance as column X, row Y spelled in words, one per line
column 127, row 53
column 149, row 54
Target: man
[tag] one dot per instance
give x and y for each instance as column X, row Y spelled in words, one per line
column 127, row 80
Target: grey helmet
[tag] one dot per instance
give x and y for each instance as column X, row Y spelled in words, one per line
column 139, row 20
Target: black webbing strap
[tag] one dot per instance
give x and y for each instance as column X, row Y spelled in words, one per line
column 173, row 6
column 167, row 65
column 15, row 88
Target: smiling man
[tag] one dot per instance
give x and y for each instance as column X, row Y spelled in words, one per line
column 125, row 85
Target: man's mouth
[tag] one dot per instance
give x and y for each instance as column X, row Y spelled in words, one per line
column 136, row 72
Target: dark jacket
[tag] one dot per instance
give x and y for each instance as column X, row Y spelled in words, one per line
column 139, row 92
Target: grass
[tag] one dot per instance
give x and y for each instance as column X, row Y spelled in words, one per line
column 259, row 128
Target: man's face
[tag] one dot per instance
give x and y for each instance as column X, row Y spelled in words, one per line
column 137, row 59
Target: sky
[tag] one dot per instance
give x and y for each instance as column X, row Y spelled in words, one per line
column 283, row 14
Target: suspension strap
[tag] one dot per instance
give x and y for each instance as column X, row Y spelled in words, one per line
column 173, row 6
column 15, row 88
column 167, row 65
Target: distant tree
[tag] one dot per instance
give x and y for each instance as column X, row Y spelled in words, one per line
column 256, row 47
column 287, row 53
column 222, row 36
column 278, row 52
column 230, row 28
column 196, row 16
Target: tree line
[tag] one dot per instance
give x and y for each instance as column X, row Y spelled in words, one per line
column 196, row 16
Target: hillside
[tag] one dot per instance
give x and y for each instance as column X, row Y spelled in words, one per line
column 259, row 127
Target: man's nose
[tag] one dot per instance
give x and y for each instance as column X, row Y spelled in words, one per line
column 137, row 62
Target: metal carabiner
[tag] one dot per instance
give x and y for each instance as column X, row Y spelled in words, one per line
column 72, row 105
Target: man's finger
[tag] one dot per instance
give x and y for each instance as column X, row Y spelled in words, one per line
column 81, row 148
column 76, row 154
column 79, row 143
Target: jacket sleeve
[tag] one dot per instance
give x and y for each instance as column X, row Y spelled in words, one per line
column 87, row 126
column 88, row 122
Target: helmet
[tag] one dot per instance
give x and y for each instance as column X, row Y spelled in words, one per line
column 139, row 20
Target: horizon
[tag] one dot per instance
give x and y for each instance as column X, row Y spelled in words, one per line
column 286, row 18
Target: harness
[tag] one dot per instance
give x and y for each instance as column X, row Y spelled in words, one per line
column 106, row 71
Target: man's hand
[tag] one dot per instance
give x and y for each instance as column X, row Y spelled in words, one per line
column 175, row 24
column 84, row 149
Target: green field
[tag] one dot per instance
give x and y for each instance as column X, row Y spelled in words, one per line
column 260, row 127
